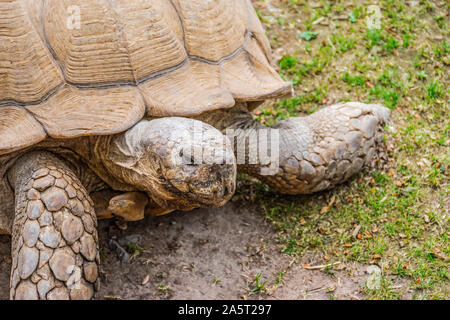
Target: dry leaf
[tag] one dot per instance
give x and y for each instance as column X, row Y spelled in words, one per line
column 325, row 210
column 333, row 198
column 146, row 280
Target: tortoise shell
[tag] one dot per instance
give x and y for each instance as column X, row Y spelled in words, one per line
column 71, row 68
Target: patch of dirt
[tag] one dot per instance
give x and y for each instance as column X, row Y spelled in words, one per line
column 5, row 266
column 209, row 254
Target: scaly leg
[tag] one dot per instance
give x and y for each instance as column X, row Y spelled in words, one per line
column 54, row 237
column 315, row 152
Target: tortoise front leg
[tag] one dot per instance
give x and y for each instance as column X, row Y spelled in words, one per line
column 310, row 154
column 326, row 148
column 54, row 237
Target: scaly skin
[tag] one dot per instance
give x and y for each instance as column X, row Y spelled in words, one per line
column 54, row 240
column 54, row 236
column 315, row 152
column 152, row 157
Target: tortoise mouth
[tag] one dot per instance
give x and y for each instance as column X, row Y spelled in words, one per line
column 205, row 185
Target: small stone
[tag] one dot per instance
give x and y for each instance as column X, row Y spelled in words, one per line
column 58, row 294
column 31, row 232
column 72, row 229
column 49, row 236
column 27, row 261
column 54, row 198
column 84, row 291
column 33, row 194
column 34, row 209
column 90, row 271
column 40, row 173
column 62, row 263
column 88, row 247
column 45, row 255
column 71, row 192
column 26, row 291
column 43, row 183
column 44, row 286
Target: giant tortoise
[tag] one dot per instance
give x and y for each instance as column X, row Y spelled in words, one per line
column 149, row 96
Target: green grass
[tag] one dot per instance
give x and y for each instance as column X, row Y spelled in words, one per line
column 401, row 209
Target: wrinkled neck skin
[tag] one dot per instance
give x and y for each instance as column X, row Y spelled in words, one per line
column 238, row 125
column 303, row 155
column 237, row 117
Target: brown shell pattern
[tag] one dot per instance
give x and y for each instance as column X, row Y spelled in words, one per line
column 71, row 68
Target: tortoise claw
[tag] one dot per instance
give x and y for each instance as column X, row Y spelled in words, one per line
column 129, row 206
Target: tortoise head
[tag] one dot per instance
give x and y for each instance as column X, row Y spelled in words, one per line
column 181, row 163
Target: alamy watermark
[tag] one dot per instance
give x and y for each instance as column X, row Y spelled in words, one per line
column 259, row 147
column 374, row 17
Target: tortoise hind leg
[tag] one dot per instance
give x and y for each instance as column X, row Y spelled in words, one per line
column 54, row 236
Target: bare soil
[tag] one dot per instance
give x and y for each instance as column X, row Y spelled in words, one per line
column 209, row 254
